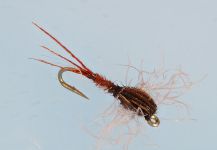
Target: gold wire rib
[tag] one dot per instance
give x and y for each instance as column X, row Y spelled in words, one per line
column 66, row 85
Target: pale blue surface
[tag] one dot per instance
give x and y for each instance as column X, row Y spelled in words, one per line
column 37, row 113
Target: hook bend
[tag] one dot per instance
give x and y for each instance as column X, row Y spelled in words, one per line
column 66, row 85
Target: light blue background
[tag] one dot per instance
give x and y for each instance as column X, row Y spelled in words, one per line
column 37, row 113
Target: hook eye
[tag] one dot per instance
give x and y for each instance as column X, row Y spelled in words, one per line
column 66, row 85
column 154, row 121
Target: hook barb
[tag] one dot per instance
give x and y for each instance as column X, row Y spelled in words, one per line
column 66, row 85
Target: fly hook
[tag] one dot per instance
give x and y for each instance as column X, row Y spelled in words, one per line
column 66, row 85
column 131, row 98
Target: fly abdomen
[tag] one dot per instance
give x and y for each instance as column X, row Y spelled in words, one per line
column 134, row 99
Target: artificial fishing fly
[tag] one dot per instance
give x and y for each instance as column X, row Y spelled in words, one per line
column 130, row 98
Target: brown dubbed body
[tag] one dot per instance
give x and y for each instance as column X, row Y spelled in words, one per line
column 130, row 98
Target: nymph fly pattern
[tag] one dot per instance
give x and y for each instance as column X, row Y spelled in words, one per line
column 130, row 98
